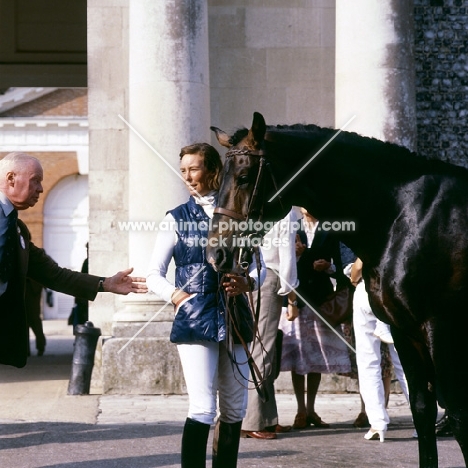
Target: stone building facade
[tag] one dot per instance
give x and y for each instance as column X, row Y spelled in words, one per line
column 160, row 73
column 30, row 119
column 171, row 72
column 52, row 125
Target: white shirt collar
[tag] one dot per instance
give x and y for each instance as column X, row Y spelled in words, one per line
column 310, row 229
column 6, row 204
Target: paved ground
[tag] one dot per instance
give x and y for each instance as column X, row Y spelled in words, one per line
column 42, row 426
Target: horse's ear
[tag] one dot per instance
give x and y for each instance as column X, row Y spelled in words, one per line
column 223, row 137
column 258, row 130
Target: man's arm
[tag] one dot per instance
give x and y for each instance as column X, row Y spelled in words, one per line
column 46, row 271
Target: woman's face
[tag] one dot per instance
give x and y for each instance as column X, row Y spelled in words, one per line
column 195, row 174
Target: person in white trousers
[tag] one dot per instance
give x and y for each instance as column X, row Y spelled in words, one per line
column 368, row 359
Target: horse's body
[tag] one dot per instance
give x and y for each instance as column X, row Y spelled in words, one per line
column 411, row 231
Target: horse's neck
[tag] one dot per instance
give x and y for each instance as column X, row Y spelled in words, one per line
column 343, row 194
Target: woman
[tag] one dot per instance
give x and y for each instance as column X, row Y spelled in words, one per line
column 310, row 348
column 209, row 330
column 374, row 379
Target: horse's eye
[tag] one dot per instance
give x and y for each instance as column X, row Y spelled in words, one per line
column 243, row 179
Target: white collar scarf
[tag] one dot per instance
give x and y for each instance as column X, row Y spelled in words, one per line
column 208, row 202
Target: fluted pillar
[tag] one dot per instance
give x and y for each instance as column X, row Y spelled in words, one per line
column 375, row 77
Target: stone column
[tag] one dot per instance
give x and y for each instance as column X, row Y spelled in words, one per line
column 375, row 77
column 169, row 107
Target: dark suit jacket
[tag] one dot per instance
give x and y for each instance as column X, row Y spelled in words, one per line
column 314, row 285
column 33, row 262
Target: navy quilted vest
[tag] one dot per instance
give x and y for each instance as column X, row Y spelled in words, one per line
column 202, row 318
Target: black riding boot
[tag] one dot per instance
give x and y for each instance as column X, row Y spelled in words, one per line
column 226, row 444
column 194, row 440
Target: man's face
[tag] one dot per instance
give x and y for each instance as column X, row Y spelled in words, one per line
column 25, row 185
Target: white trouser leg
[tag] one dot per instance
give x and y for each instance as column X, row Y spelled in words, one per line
column 200, row 365
column 368, row 360
column 204, row 365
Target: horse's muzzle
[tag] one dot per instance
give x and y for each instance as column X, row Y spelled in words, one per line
column 221, row 259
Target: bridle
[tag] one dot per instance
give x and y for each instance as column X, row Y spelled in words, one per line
column 232, row 153
column 255, row 203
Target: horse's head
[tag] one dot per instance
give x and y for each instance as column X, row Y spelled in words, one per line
column 247, row 184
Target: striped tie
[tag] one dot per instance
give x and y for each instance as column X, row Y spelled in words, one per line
column 7, row 261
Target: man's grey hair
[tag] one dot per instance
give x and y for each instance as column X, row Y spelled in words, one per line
column 12, row 160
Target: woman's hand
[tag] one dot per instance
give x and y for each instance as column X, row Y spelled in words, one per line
column 235, row 284
column 292, row 312
column 321, row 265
column 178, row 296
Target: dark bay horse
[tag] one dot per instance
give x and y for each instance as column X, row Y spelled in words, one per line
column 411, row 231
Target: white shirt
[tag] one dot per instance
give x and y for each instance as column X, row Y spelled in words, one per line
column 279, row 251
column 310, row 229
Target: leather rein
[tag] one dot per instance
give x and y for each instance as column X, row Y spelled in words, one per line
column 256, row 374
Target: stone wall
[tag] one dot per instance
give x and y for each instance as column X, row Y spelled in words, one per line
column 108, row 148
column 441, row 35
column 277, row 58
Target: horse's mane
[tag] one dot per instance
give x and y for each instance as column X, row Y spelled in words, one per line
column 386, row 153
column 238, row 136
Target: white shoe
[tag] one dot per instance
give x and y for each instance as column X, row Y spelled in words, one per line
column 382, row 331
column 415, row 434
column 374, row 434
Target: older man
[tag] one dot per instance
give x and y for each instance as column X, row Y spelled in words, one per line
column 20, row 187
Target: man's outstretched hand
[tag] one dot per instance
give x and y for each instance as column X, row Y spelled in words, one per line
column 122, row 283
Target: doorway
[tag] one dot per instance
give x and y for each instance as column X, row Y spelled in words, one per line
column 66, row 233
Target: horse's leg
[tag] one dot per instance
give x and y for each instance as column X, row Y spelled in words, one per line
column 458, row 418
column 451, row 352
column 422, row 397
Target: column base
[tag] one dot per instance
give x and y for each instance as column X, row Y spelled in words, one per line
column 139, row 358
